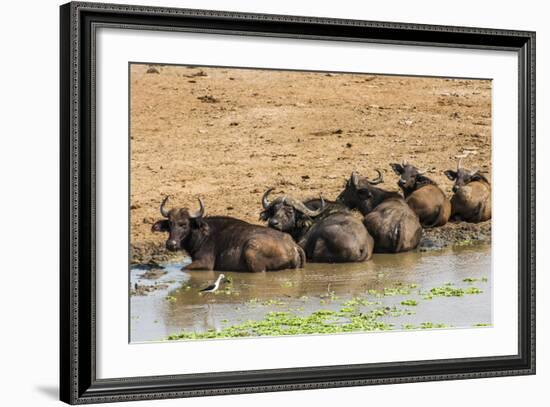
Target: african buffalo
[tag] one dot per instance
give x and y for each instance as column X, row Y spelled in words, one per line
column 227, row 244
column 471, row 201
column 328, row 233
column 393, row 224
column 423, row 195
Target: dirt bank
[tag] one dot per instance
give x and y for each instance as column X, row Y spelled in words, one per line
column 228, row 134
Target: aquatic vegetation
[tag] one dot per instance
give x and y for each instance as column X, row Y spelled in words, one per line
column 473, row 280
column 472, row 290
column 330, row 295
column 396, row 312
column 481, row 324
column 410, row 303
column 171, row 298
column 449, row 291
column 285, row 323
column 253, row 302
column 431, row 325
column 424, row 325
column 184, row 287
column 356, row 302
column 273, row 302
column 391, row 291
column 287, row 284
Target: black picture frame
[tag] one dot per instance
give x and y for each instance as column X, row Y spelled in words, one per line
column 78, row 382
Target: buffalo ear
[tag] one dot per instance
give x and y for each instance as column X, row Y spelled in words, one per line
column 161, row 226
column 397, row 168
column 450, row 174
column 478, row 177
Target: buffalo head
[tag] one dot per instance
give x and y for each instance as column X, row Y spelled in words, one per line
column 462, row 177
column 285, row 213
column 357, row 193
column 178, row 223
column 409, row 175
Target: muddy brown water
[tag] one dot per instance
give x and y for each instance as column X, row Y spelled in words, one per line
column 178, row 307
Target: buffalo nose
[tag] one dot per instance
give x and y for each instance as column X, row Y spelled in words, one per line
column 273, row 222
column 171, row 244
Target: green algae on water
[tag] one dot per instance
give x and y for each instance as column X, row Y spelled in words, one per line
column 449, row 291
column 285, row 323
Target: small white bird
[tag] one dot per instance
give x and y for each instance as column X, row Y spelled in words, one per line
column 212, row 288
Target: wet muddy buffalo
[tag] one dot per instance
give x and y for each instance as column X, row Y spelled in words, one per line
column 393, row 224
column 227, row 244
column 328, row 232
column 471, row 201
column 423, row 195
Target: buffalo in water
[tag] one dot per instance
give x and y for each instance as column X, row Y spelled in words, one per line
column 328, row 232
column 423, row 195
column 471, row 201
column 393, row 224
column 227, row 244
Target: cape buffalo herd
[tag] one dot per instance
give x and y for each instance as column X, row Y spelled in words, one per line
column 325, row 231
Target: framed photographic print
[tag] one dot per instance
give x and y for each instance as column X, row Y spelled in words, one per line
column 256, row 203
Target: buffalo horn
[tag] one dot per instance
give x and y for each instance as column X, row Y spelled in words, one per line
column 423, row 171
column 354, row 179
column 163, row 211
column 299, row 206
column 377, row 180
column 265, row 202
column 200, row 212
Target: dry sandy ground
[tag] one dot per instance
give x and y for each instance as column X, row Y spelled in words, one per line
column 226, row 135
